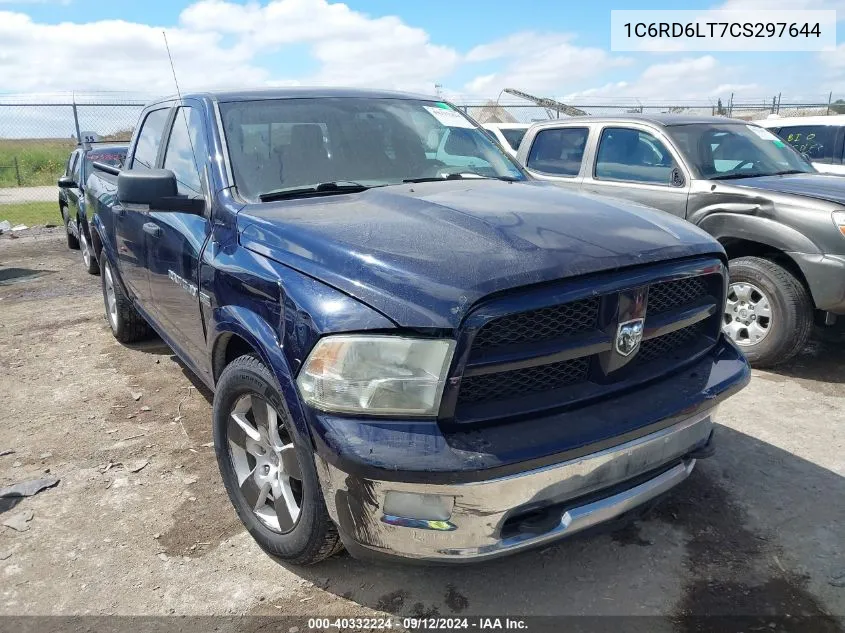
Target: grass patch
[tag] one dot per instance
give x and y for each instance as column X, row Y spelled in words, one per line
column 39, row 161
column 31, row 213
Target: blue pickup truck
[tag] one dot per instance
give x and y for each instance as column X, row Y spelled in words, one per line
column 72, row 195
column 412, row 354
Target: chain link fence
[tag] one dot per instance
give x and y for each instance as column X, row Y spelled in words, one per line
column 37, row 134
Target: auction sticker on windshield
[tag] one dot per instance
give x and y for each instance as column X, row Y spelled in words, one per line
column 449, row 117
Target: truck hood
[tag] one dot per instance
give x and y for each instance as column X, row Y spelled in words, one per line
column 423, row 254
column 819, row 186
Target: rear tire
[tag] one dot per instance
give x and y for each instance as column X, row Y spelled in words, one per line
column 774, row 291
column 126, row 324
column 311, row 536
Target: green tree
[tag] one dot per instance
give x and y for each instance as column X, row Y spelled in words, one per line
column 838, row 106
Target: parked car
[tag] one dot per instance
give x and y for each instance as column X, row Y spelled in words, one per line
column 508, row 134
column 781, row 223
column 72, row 195
column 410, row 358
column 821, row 139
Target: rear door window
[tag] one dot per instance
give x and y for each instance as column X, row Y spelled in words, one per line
column 149, row 139
column 816, row 141
column 558, row 152
column 633, row 156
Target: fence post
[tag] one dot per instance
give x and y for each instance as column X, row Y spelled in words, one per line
column 76, row 122
column 829, row 98
column 17, row 172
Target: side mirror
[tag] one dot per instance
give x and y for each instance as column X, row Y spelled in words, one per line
column 155, row 189
column 66, row 182
column 677, row 178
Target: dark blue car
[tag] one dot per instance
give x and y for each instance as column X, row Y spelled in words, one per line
column 414, row 353
column 72, row 195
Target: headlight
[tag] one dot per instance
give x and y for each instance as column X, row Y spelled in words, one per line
column 839, row 221
column 376, row 375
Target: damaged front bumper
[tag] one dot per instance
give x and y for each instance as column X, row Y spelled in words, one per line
column 504, row 515
column 473, row 494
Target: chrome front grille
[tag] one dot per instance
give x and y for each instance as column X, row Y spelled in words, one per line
column 557, row 355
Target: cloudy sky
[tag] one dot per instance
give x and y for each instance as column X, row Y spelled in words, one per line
column 472, row 49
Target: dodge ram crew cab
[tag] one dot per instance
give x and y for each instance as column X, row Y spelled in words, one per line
column 782, row 224
column 410, row 356
column 72, row 195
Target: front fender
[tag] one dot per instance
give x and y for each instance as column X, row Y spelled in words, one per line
column 262, row 337
column 758, row 229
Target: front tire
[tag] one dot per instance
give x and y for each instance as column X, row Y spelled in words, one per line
column 267, row 469
column 769, row 312
column 88, row 258
column 72, row 242
column 126, row 324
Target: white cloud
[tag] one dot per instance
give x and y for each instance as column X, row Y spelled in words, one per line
column 539, row 62
column 794, row 5
column 688, row 79
column 220, row 44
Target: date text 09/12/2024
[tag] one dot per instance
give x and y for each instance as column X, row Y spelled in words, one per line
column 486, row 623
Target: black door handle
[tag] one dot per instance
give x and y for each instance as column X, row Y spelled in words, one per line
column 152, row 229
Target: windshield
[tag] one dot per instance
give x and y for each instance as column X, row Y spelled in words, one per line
column 513, row 136
column 734, row 150
column 285, row 144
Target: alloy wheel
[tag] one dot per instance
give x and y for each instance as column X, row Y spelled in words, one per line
column 83, row 243
column 264, row 460
column 748, row 314
column 111, row 299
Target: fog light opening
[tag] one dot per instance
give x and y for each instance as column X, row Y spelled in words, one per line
column 410, row 505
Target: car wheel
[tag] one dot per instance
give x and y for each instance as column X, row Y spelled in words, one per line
column 72, row 242
column 126, row 324
column 87, row 253
column 768, row 312
column 267, row 469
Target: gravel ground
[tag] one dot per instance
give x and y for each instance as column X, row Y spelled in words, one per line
column 140, row 523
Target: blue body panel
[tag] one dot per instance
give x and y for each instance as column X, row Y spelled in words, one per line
column 414, row 258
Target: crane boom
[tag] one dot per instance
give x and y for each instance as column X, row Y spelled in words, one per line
column 549, row 104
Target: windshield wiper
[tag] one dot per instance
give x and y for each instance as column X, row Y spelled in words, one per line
column 757, row 175
column 320, row 189
column 468, row 175
column 736, row 176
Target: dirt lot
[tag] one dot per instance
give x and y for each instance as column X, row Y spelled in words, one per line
column 140, row 523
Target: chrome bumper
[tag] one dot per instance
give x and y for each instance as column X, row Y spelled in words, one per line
column 474, row 530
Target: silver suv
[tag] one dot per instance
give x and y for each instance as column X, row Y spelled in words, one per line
column 781, row 222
